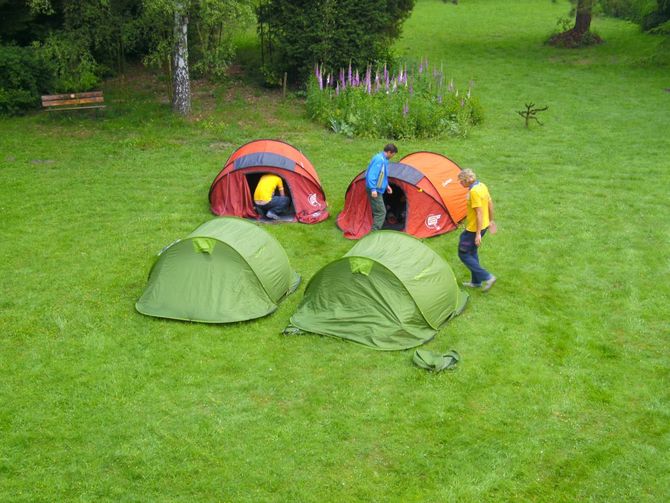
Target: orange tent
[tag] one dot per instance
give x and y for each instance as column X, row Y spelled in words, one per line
column 232, row 190
column 427, row 199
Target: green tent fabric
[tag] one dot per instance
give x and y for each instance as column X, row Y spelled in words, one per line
column 389, row 292
column 435, row 362
column 226, row 270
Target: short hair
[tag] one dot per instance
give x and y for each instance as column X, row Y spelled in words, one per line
column 391, row 148
column 467, row 175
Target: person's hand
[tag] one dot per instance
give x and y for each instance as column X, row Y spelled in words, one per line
column 374, row 194
column 478, row 239
column 493, row 228
column 389, row 190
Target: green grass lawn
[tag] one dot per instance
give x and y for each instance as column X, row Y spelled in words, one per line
column 562, row 391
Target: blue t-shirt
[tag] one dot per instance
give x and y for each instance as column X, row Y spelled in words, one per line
column 377, row 176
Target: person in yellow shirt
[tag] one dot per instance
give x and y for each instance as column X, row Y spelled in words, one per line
column 267, row 203
column 479, row 220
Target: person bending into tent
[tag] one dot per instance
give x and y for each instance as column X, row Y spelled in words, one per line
column 377, row 182
column 479, row 219
column 267, row 203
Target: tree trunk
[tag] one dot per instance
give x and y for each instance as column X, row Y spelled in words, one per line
column 583, row 17
column 181, row 97
column 579, row 35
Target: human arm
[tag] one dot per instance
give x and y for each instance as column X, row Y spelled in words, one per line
column 480, row 219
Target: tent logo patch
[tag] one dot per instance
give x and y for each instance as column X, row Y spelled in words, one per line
column 446, row 182
column 312, row 199
column 433, row 222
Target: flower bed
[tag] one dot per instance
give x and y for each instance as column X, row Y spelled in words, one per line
column 417, row 102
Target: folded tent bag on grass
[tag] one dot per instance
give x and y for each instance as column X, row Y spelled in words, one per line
column 389, row 292
column 226, row 270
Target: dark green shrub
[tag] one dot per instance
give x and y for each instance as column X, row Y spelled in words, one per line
column 71, row 62
column 23, row 78
column 296, row 34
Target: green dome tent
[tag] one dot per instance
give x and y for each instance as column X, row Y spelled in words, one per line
column 226, row 270
column 389, row 292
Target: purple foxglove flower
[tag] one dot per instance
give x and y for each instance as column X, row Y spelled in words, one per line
column 411, row 89
column 337, row 89
column 357, row 78
column 349, row 74
column 386, row 74
column 405, row 109
column 328, row 80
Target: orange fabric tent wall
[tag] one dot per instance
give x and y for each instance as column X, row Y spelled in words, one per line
column 435, row 201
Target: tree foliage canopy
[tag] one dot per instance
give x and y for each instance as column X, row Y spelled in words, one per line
column 298, row 33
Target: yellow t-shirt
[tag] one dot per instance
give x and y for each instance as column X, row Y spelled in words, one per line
column 266, row 187
column 478, row 197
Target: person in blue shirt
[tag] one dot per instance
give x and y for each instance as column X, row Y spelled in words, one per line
column 377, row 182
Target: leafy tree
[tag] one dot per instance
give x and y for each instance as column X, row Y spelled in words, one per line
column 579, row 35
column 84, row 39
column 211, row 23
column 295, row 34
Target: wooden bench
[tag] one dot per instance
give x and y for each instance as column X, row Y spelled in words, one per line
column 73, row 101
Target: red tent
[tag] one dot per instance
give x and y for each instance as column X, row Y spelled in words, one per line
column 232, row 191
column 427, row 199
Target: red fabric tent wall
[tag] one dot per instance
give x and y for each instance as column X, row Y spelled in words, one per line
column 427, row 212
column 230, row 193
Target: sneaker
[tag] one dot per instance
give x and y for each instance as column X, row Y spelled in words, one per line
column 469, row 284
column 272, row 215
column 486, row 285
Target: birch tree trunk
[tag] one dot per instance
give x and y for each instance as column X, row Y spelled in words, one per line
column 181, row 97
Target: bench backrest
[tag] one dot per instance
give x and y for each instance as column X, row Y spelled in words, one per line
column 93, row 99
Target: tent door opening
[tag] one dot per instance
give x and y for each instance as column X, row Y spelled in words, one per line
column 396, row 208
column 252, row 181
